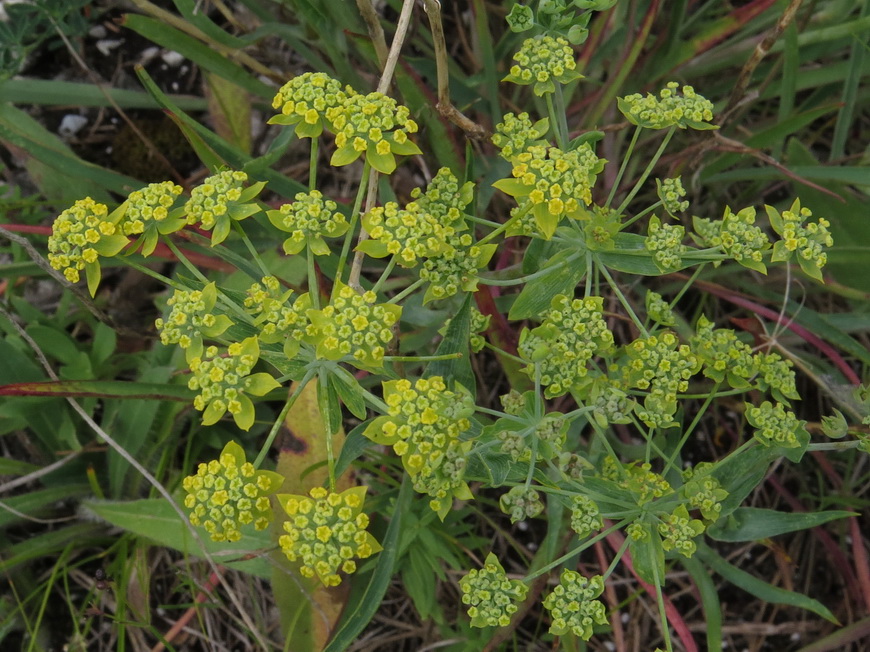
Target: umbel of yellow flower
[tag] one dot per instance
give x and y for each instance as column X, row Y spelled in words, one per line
column 326, row 531
column 79, row 236
column 228, row 493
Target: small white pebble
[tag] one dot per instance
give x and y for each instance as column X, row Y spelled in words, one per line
column 148, row 55
column 71, row 124
column 523, row 526
column 97, row 31
column 624, row 618
column 174, row 86
column 172, row 58
column 106, row 45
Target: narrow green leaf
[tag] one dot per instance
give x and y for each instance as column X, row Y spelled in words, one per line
column 537, row 294
column 754, row 524
column 155, row 519
column 36, row 503
column 709, row 601
column 456, row 341
column 63, row 93
column 760, row 589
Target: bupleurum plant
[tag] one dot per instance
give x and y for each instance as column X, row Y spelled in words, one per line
column 591, row 350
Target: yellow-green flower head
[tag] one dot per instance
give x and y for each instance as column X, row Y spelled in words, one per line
column 149, row 212
column 218, row 200
column 516, row 133
column 572, row 333
column 585, row 516
column 805, row 242
column 776, row 374
column 80, row 235
column 679, row 530
column 658, row 309
column 669, row 109
column 326, row 531
column 639, row 479
column 724, row 357
column 702, row 491
column 491, row 597
column 573, row 607
column 661, row 365
column 191, row 319
column 671, row 192
column 373, row 125
column 224, row 381
column 456, row 267
column 776, row 426
column 423, row 425
column 520, row 503
column 304, row 101
column 353, row 327
column 409, row 235
column 737, row 235
column 665, row 242
column 556, row 183
column 308, row 220
column 278, row 319
column 444, row 199
column 543, row 60
column 609, row 401
column 228, row 493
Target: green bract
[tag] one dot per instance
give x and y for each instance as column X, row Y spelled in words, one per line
column 220, row 199
column 191, row 319
column 516, row 133
column 543, row 60
column 374, row 125
column 308, row 220
column 325, row 531
column 678, row 531
column 304, row 101
column 79, row 236
column 224, row 382
column 669, row 109
column 671, row 192
column 228, row 493
column 491, row 597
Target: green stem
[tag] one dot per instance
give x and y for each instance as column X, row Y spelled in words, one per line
column 280, row 420
column 385, row 275
column 354, row 216
column 255, row 255
column 670, row 460
column 499, row 351
column 313, row 287
column 622, row 299
column 625, row 159
column 312, row 165
column 663, row 617
column 330, row 454
column 687, row 285
column 155, row 275
column 524, row 279
column 519, row 214
column 583, row 546
column 648, row 170
column 616, row 559
column 555, row 123
column 408, row 290
column 421, row 358
column 193, row 270
column 634, row 219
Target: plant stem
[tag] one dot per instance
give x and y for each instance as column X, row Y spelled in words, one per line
column 524, row 279
column 623, row 300
column 155, row 275
column 625, row 158
column 251, row 249
column 312, row 165
column 648, row 170
column 280, row 419
column 422, row 358
column 385, row 275
column 354, row 216
column 313, row 287
column 408, row 290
